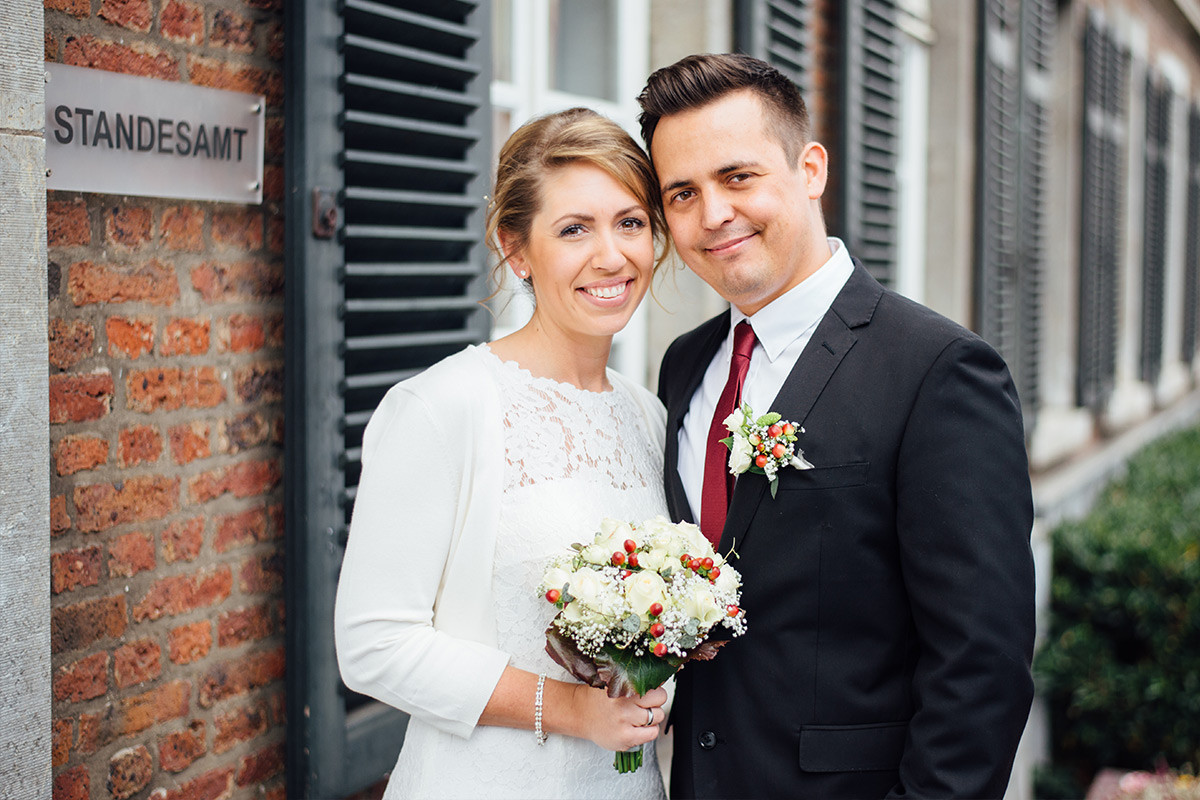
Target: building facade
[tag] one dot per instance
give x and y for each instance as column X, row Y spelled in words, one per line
column 187, row 382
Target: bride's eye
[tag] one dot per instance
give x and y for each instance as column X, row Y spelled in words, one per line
column 571, row 230
column 631, row 224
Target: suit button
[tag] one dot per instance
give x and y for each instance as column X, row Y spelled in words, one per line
column 708, row 740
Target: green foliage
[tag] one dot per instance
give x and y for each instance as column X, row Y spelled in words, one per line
column 1121, row 666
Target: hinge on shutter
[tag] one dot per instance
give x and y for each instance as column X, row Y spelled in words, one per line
column 324, row 213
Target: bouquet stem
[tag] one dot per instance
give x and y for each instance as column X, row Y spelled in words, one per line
column 628, row 760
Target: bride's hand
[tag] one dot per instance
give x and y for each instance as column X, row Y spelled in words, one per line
column 618, row 723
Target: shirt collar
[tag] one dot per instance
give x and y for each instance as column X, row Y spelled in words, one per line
column 786, row 318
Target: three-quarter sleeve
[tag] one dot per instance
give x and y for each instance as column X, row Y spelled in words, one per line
column 402, row 534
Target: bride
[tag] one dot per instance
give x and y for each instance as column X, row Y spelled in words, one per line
column 479, row 469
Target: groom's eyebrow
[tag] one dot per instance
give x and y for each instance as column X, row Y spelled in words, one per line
column 737, row 166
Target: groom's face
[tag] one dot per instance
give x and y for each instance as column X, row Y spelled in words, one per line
column 742, row 216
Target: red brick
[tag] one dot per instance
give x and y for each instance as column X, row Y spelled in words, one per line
column 155, row 389
column 141, row 444
column 275, row 41
column 67, row 224
column 134, row 59
column 152, row 282
column 242, row 432
column 266, row 5
column 279, row 792
column 76, row 453
column 202, row 388
column 243, row 528
column 82, row 680
column 74, row 568
column 137, row 662
column 241, row 333
column 76, row 8
column 275, row 232
column 189, row 643
column 73, row 784
column 60, row 520
column 244, row 479
column 222, row 75
column 240, row 280
column 232, row 31
column 259, row 383
column 243, row 625
column 177, row 751
column 278, row 704
column 239, row 725
column 61, row 731
column 70, row 341
column 241, row 229
column 179, row 594
column 186, row 337
column 262, row 574
column 76, row 626
column 129, row 337
column 130, row 715
column 216, row 784
column 130, row 554
column 273, row 147
column 275, row 512
column 258, row 767
column 183, row 226
column 80, row 398
column 182, row 540
column 189, row 442
column 128, row 227
column 129, row 771
column 133, row 14
column 273, row 182
column 240, row 675
column 102, row 506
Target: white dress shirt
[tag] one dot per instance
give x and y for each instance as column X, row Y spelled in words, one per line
column 783, row 328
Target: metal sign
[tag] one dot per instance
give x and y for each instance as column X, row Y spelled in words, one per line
column 120, row 134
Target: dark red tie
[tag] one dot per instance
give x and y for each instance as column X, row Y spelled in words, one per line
column 718, row 483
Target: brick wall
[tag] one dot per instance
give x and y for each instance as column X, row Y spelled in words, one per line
column 165, row 342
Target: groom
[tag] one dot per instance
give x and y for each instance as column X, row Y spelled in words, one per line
column 889, row 589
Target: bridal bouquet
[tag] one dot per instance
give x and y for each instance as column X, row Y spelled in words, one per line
column 636, row 604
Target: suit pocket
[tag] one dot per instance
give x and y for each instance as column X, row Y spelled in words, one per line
column 852, row 748
column 838, row 477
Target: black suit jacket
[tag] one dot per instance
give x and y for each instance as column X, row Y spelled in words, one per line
column 889, row 591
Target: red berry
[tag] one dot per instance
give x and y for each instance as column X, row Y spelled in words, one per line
column 655, row 609
column 714, row 573
column 630, row 545
column 618, row 558
column 731, row 610
column 788, row 429
column 754, row 439
column 633, row 560
column 774, row 431
column 553, row 595
column 657, row 629
column 625, row 573
column 707, row 563
column 760, row 461
column 778, row 451
column 660, row 649
column 684, row 559
column 694, row 564
column 762, row 448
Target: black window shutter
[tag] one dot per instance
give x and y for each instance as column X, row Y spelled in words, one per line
column 780, row 33
column 389, row 150
column 1106, row 68
column 870, row 132
column 1159, row 101
column 1191, row 269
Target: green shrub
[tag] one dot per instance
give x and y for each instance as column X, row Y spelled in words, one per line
column 1120, row 670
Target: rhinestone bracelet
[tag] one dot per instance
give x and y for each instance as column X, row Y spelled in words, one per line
column 538, row 733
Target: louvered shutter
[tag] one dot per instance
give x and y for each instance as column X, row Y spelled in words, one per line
column 867, row 156
column 1159, row 99
column 1191, row 269
column 389, row 127
column 1010, row 206
column 780, row 33
column 1106, row 67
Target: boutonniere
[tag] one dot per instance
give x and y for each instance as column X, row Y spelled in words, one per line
column 762, row 446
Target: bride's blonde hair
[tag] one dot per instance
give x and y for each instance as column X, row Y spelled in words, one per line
column 554, row 141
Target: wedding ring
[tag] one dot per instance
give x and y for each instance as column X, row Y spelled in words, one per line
column 649, row 718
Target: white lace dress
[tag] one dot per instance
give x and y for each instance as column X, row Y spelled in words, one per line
column 572, row 457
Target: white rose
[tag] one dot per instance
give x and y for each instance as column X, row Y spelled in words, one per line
column 727, row 582
column 702, row 604
column 653, row 559
column 644, row 589
column 740, row 455
column 613, row 534
column 800, row 462
column 596, row 554
column 554, row 578
column 698, row 545
column 733, row 423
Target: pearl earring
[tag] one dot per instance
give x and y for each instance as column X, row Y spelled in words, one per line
column 522, row 274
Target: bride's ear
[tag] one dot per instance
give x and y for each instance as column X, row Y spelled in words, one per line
column 515, row 259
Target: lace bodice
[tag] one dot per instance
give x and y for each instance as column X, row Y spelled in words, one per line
column 572, row 457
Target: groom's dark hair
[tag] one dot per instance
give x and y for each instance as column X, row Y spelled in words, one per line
column 698, row 80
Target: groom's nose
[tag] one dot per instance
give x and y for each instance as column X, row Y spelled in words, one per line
column 715, row 210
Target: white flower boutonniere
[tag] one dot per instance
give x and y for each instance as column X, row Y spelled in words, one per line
column 762, row 446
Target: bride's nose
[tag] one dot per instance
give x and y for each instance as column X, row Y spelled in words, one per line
column 609, row 255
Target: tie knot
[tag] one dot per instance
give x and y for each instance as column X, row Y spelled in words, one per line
column 743, row 340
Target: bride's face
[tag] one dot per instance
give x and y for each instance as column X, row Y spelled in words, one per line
column 590, row 253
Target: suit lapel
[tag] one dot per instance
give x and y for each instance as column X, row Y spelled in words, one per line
column 690, row 372
column 830, row 342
